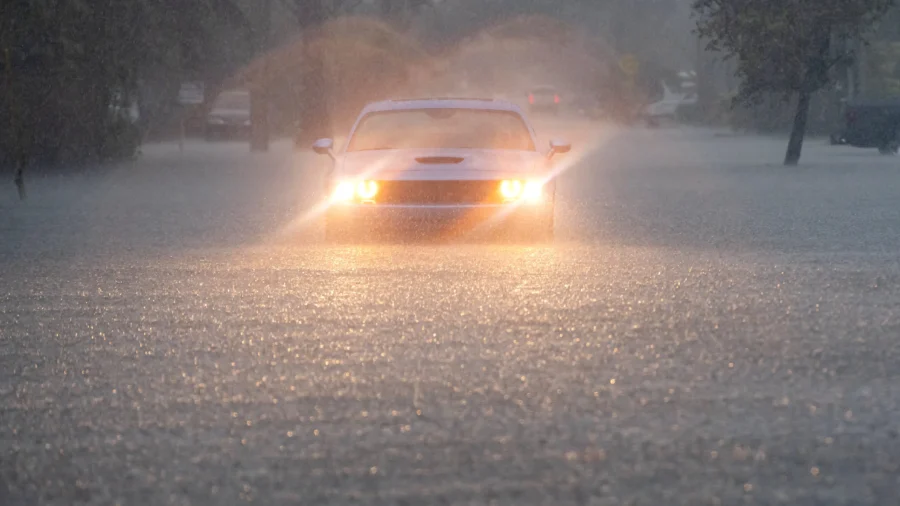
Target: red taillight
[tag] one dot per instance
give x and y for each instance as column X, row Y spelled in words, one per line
column 555, row 99
column 531, row 98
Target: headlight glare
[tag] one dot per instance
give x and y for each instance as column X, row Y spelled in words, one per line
column 366, row 190
column 534, row 191
column 511, row 189
column 343, row 192
column 359, row 191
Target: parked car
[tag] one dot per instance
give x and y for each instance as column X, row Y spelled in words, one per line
column 873, row 124
column 669, row 106
column 437, row 164
column 229, row 117
column 544, row 99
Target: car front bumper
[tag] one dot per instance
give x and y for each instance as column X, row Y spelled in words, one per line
column 365, row 217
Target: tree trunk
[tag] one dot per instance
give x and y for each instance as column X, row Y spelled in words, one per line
column 259, row 99
column 706, row 93
column 388, row 7
column 20, row 180
column 315, row 120
column 10, row 143
column 798, row 131
column 259, row 119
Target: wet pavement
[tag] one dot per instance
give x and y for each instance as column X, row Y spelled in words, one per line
column 708, row 328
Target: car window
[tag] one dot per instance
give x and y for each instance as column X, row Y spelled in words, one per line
column 442, row 128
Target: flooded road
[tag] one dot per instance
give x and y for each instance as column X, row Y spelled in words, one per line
column 708, row 327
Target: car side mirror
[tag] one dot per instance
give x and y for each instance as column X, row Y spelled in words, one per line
column 324, row 147
column 558, row 147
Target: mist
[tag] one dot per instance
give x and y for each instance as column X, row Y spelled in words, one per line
column 563, row 264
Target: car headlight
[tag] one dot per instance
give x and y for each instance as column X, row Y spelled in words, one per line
column 513, row 190
column 365, row 191
column 533, row 192
column 344, row 192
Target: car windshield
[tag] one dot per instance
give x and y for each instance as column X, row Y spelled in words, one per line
column 441, row 128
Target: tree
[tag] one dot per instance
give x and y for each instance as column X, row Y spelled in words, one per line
column 399, row 11
column 786, row 47
column 312, row 17
column 70, row 70
column 311, row 14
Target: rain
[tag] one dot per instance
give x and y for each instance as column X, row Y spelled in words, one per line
column 702, row 321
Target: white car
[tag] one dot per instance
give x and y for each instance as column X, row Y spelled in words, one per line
column 668, row 107
column 439, row 164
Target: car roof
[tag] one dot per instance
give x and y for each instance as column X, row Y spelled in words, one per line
column 487, row 104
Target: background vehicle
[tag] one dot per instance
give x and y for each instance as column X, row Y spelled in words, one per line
column 229, row 117
column 544, row 99
column 440, row 164
column 837, row 138
column 873, row 124
column 668, row 107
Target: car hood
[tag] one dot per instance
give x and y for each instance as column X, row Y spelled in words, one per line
column 438, row 164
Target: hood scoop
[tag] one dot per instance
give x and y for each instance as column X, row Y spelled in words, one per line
column 440, row 160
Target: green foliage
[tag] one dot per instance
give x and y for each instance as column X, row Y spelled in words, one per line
column 335, row 54
column 882, row 65
column 770, row 114
column 785, row 46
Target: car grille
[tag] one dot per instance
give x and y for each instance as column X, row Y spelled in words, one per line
column 439, row 192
